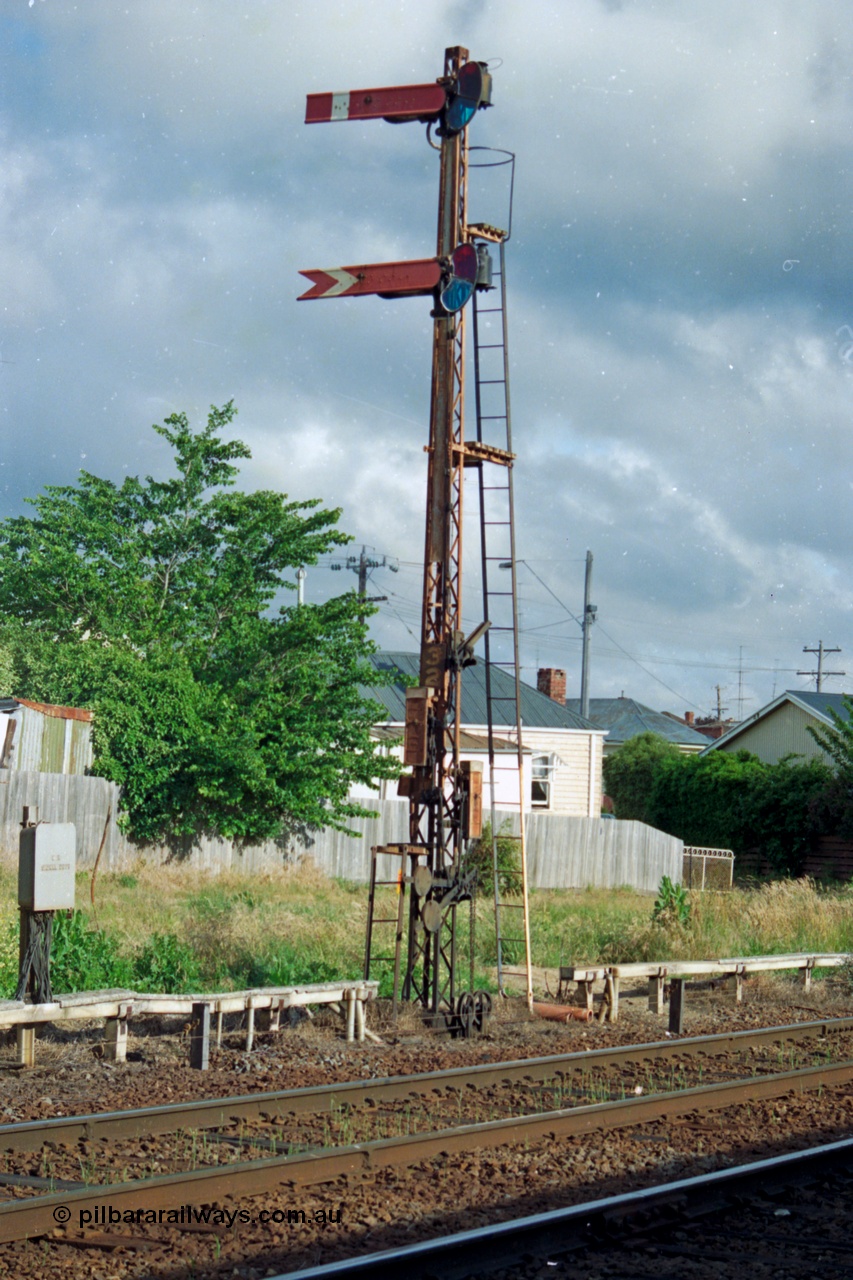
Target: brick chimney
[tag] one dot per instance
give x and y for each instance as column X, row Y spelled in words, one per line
column 552, row 682
column 689, row 718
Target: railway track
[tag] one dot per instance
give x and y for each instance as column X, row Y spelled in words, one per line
column 232, row 1128
column 791, row 1213
column 567, row 1073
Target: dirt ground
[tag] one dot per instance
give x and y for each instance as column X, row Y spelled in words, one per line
column 71, row 1077
column 390, row 1207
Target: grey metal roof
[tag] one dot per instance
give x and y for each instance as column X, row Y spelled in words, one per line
column 537, row 710
column 624, row 718
column 822, row 703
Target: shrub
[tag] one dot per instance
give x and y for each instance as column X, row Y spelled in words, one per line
column 85, row 959
column 630, row 773
column 481, row 858
column 166, row 963
column 736, row 801
column 285, row 966
column 672, row 905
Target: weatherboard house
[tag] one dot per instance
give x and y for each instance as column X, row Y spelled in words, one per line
column 563, row 752
column 781, row 728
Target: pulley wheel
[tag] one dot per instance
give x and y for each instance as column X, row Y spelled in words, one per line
column 422, row 880
column 482, row 1009
column 466, row 1014
column 431, row 916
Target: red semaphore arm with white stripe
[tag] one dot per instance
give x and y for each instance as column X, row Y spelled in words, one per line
column 389, row 279
column 402, row 102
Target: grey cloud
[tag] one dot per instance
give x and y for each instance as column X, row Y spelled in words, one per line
column 679, row 289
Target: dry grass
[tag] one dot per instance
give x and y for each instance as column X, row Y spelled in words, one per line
column 296, row 924
column 611, row 926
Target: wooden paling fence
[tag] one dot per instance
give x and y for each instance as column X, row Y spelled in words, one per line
column 563, row 852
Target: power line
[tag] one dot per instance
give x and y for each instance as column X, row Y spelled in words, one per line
column 573, row 616
column 576, row 619
column 651, row 674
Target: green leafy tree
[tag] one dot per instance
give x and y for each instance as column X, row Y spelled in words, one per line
column 153, row 603
column 7, row 671
column 837, row 742
column 709, row 800
column 630, row 773
column 733, row 800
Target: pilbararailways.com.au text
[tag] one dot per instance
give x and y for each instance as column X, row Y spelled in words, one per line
column 105, row 1215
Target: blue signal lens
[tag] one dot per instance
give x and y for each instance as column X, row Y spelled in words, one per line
column 455, row 294
column 459, row 114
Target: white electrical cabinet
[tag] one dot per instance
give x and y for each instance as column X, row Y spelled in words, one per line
column 47, row 860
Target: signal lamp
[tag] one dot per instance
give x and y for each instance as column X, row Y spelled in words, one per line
column 464, row 269
column 473, row 89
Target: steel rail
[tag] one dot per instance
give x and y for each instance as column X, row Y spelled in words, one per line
column 214, row 1113
column 502, row 1244
column 34, row 1216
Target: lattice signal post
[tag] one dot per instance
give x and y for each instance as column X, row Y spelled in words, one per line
column 445, row 796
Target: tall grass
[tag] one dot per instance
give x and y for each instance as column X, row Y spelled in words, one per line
column 606, row 927
column 179, row 930
column 176, row 929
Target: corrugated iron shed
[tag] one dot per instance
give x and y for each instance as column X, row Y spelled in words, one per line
column 38, row 737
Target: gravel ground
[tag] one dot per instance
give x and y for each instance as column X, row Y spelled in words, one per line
column 396, row 1206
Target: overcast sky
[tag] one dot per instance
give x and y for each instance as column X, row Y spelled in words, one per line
column 679, row 281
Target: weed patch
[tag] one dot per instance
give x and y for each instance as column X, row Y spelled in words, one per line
column 83, row 958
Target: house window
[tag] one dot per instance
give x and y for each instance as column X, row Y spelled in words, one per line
column 540, row 788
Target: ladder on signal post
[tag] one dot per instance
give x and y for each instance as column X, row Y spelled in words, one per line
column 386, row 906
column 493, row 456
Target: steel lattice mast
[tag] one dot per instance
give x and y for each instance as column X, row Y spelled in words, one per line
column 436, row 820
column 445, row 798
